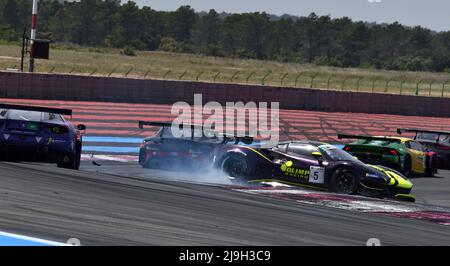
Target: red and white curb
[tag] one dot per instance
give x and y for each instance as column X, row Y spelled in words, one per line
column 356, row 203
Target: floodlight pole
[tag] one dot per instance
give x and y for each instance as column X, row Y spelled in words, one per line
column 33, row 33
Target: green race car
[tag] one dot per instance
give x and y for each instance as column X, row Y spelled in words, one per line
column 403, row 154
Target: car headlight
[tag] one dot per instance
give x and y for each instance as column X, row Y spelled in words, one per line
column 372, row 175
column 378, row 176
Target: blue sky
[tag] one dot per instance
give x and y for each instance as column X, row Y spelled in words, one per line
column 432, row 14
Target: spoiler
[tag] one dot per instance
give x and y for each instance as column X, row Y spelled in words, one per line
column 142, row 124
column 226, row 137
column 37, row 109
column 412, row 130
column 343, row 136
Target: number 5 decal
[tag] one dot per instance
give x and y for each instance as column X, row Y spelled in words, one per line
column 316, row 175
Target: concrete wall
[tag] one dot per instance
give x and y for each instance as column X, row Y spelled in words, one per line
column 72, row 87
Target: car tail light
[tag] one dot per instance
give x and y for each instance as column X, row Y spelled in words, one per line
column 443, row 147
column 347, row 148
column 393, row 152
column 60, row 130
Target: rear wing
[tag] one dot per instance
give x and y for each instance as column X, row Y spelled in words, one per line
column 412, row 130
column 37, row 109
column 226, row 137
column 417, row 131
column 142, row 124
column 344, row 136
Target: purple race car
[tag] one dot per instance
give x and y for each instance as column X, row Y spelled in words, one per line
column 39, row 134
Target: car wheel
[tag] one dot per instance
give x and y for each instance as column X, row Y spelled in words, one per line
column 73, row 161
column 433, row 167
column 344, row 181
column 235, row 166
column 407, row 167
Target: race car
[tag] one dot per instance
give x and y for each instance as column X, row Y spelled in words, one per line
column 39, row 134
column 299, row 163
column 403, row 154
column 312, row 164
column 164, row 151
column 438, row 141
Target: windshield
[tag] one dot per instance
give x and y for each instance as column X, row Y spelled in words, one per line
column 336, row 154
column 25, row 115
column 206, row 136
column 427, row 136
column 33, row 116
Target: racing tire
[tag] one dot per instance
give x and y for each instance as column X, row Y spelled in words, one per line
column 235, row 166
column 344, row 181
column 74, row 160
column 407, row 167
column 432, row 170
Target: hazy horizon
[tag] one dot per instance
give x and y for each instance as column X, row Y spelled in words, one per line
column 433, row 14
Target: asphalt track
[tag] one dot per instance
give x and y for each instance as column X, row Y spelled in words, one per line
column 119, row 203
column 122, row 204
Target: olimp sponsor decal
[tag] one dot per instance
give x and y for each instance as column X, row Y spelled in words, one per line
column 287, row 169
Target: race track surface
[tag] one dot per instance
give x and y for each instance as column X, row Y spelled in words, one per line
column 113, row 205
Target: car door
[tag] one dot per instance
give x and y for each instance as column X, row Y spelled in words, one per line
column 296, row 166
column 418, row 157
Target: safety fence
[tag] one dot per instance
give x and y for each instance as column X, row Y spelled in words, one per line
column 402, row 85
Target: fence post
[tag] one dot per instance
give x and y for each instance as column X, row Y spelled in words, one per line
column 417, row 87
column 357, row 83
column 182, row 75
column 373, row 83
column 215, row 76
column 313, row 77
column 167, row 73
column 443, row 87
column 128, row 72
column 249, row 76
column 343, row 83
column 297, row 77
column 282, row 78
column 93, row 72
column 401, row 86
column 386, row 86
column 198, row 76
column 112, row 71
column 328, row 81
column 234, row 75
column 263, row 81
column 431, row 84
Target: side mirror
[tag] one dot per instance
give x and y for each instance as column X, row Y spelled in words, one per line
column 318, row 156
column 81, row 127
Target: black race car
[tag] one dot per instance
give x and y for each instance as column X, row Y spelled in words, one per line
column 164, row 151
column 437, row 141
column 299, row 163
column 312, row 164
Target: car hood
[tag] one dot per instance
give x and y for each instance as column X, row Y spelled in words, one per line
column 395, row 178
